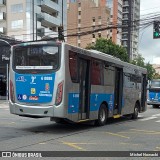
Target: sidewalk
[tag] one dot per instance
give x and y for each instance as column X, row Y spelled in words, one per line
column 4, row 104
column 3, row 101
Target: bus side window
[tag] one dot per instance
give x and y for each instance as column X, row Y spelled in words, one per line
column 73, row 62
column 109, row 76
column 96, row 73
column 127, row 82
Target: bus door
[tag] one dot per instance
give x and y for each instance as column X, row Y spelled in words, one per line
column 118, row 91
column 84, row 88
column 144, row 92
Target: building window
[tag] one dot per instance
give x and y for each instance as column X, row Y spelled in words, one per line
column 79, row 21
column 93, row 27
column 79, row 37
column 99, row 35
column 93, row 19
column 79, row 29
column 16, row 8
column 17, row 24
column 79, row 4
column 55, row 1
column 79, row 45
column 93, row 36
column 79, row 13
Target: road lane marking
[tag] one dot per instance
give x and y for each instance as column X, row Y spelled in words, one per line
column 73, row 145
column 158, row 121
column 5, row 123
column 118, row 135
column 145, row 131
column 42, row 143
column 148, row 118
column 155, row 115
column 130, row 144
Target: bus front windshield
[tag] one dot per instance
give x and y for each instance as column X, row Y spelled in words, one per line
column 36, row 57
column 155, row 84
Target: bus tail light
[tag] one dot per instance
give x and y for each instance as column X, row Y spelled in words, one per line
column 12, row 96
column 59, row 93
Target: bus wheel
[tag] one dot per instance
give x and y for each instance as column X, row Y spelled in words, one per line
column 59, row 120
column 155, row 106
column 136, row 109
column 102, row 116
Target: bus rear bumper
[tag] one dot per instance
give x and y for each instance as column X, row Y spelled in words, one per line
column 31, row 111
column 153, row 103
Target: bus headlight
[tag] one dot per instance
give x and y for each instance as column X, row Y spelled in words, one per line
column 59, row 93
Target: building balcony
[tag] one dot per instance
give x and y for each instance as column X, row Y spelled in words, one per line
column 125, row 4
column 3, row 30
column 124, row 18
column 2, row 16
column 50, row 21
column 124, row 38
column 125, row 11
column 2, row 2
column 49, row 6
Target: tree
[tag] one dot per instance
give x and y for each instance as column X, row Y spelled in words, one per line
column 139, row 61
column 156, row 76
column 150, row 71
column 108, row 47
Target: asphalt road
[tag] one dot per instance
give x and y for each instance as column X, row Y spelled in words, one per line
column 123, row 134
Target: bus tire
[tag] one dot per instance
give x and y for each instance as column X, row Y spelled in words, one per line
column 102, row 116
column 155, row 106
column 59, row 120
column 136, row 110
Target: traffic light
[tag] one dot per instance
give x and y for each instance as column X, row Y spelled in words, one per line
column 156, row 29
column 60, row 33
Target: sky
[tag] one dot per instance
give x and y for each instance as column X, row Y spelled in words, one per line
column 149, row 48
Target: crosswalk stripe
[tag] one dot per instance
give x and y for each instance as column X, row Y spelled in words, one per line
column 158, row 121
column 148, row 118
column 155, row 115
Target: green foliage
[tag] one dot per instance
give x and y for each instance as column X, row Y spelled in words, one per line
column 108, row 47
column 139, row 61
column 156, row 76
column 150, row 71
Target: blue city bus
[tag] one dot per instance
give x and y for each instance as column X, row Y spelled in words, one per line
column 154, row 93
column 64, row 82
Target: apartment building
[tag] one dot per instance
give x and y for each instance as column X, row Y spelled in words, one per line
column 3, row 23
column 84, row 16
column 130, row 33
column 32, row 19
column 115, row 19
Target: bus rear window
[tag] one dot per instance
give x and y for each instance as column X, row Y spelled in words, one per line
column 36, row 57
column 155, row 84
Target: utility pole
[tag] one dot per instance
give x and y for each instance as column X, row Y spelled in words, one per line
column 62, row 12
column 36, row 27
column 33, row 17
column 129, row 43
